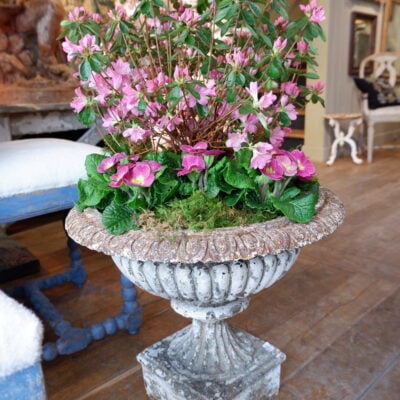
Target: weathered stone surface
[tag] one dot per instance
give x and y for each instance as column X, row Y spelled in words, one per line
column 218, row 245
column 253, row 378
column 209, row 276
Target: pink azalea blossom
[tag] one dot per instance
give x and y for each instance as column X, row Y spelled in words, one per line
column 266, row 100
column 192, row 163
column 290, row 88
column 302, row 46
column 318, row 88
column 110, row 162
column 136, row 134
column 88, row 44
column 71, row 49
column 262, row 154
column 305, row 168
column 318, row 15
column 280, row 44
column 278, row 135
column 77, row 14
column 288, row 108
column 80, row 101
column 235, row 140
column 282, row 22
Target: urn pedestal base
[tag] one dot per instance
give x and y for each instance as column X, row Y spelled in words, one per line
column 167, row 380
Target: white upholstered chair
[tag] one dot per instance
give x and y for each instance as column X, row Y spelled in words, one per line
column 381, row 63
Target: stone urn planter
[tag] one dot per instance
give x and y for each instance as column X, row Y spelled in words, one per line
column 209, row 277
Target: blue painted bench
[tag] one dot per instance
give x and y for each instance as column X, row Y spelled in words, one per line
column 38, row 176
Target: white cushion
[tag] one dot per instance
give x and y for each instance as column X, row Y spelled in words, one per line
column 39, row 164
column 21, row 335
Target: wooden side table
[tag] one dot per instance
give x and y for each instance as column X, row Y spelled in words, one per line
column 336, row 121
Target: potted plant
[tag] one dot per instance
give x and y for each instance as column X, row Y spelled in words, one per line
column 195, row 198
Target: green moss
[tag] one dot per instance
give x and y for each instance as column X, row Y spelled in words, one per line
column 198, row 212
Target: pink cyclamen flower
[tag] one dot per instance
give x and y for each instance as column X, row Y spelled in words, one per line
column 80, row 101
column 191, row 163
column 117, row 179
column 305, row 168
column 262, row 154
column 142, row 174
column 282, row 164
column 235, row 140
column 110, row 162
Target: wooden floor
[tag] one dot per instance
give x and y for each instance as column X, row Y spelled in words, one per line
column 336, row 314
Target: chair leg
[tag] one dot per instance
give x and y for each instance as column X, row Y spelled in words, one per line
column 370, row 142
column 72, row 339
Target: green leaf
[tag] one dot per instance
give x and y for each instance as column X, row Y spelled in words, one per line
column 91, row 163
column 142, row 106
column 246, row 109
column 299, row 209
column 273, row 71
column 212, row 189
column 118, row 218
column 240, row 79
column 85, row 70
column 87, row 116
column 175, row 95
column 243, row 157
column 290, row 193
column 231, row 96
column 231, row 79
column 234, row 198
column 193, row 92
column 91, row 193
column 95, row 63
column 237, row 177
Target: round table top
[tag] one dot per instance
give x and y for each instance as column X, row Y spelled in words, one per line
column 342, row 116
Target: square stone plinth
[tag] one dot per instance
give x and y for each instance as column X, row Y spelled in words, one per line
column 258, row 381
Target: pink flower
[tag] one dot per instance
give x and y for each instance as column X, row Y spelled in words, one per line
column 305, row 168
column 290, row 88
column 262, row 154
column 142, row 174
column 136, row 134
column 318, row 88
column 235, row 140
column 110, row 162
column 313, row 11
column 200, row 149
column 282, row 22
column 318, row 15
column 288, row 108
column 71, row 49
column 282, row 164
column 88, row 44
column 77, row 14
column 191, row 163
column 279, row 44
column 302, row 46
column 117, row 179
column 266, row 100
column 80, row 101
column 181, row 74
column 277, row 136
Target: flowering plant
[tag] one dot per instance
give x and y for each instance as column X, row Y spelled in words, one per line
column 196, row 103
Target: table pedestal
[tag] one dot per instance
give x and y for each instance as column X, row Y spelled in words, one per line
column 341, row 137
